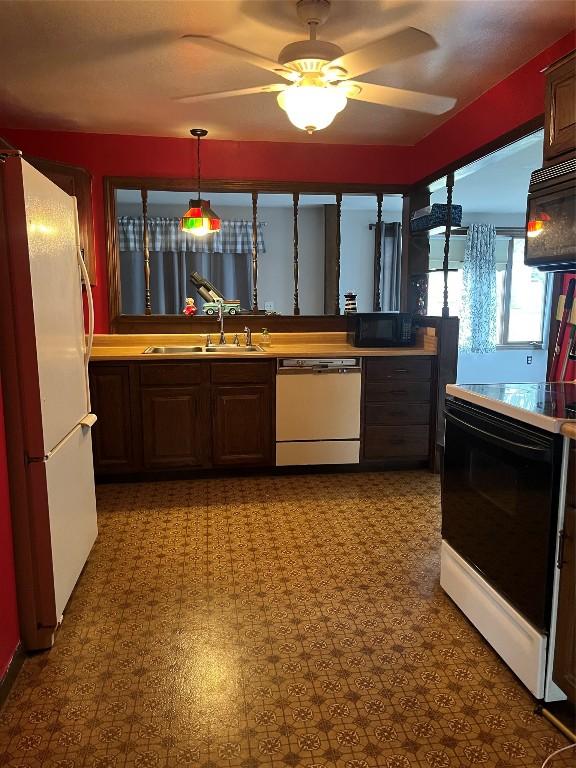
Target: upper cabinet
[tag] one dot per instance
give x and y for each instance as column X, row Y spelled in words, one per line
column 560, row 111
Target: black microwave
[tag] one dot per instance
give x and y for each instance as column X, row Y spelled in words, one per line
column 381, row 329
column 551, row 218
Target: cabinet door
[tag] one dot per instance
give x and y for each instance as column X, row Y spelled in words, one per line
column 243, row 427
column 113, row 433
column 564, row 674
column 560, row 129
column 175, row 429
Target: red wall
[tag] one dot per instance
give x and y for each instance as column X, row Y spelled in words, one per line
column 9, row 632
column 509, row 104
column 116, row 155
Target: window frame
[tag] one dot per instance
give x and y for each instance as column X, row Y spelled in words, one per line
column 504, row 329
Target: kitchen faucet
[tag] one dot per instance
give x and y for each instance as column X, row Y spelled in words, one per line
column 248, row 333
column 222, row 339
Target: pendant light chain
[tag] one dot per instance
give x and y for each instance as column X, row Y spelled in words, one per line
column 200, row 219
column 198, row 163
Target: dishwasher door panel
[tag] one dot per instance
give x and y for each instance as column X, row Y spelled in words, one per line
column 324, row 406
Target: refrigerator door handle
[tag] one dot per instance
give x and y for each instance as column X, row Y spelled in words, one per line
column 90, row 300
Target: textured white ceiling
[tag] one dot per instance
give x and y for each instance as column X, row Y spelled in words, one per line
column 116, row 66
column 499, row 182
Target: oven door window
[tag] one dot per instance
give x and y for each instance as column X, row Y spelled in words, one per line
column 497, row 510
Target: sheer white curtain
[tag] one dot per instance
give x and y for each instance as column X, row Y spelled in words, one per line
column 478, row 321
column 224, row 258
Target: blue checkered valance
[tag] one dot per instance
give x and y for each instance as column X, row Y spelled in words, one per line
column 165, row 235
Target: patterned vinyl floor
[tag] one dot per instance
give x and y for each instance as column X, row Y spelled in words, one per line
column 270, row 621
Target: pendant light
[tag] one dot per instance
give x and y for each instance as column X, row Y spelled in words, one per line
column 200, row 219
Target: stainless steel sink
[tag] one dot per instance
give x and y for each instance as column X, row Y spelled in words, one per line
column 172, row 350
column 230, row 349
column 233, row 349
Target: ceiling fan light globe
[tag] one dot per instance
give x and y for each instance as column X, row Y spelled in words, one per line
column 312, row 107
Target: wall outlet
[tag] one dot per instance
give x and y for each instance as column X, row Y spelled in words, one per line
column 269, row 306
column 528, row 359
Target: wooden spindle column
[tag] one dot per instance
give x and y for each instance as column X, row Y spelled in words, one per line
column 295, row 201
column 255, row 251
column 145, row 247
column 377, row 303
column 338, row 244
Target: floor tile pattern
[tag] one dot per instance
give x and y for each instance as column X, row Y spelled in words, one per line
column 270, row 621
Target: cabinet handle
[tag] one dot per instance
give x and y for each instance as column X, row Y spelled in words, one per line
column 397, row 392
column 561, row 540
column 400, row 370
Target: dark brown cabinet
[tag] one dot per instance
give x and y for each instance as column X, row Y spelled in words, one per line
column 243, row 413
column 564, row 673
column 560, row 111
column 111, row 388
column 242, row 425
column 174, row 427
column 396, row 409
column 180, row 415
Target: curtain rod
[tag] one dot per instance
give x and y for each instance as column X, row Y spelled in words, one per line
column 373, row 226
column 175, row 218
column 504, row 231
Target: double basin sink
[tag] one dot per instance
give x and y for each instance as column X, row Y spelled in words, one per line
column 232, row 349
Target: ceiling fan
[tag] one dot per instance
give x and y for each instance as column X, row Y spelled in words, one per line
column 321, row 75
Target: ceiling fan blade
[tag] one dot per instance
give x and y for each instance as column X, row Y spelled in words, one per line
column 273, row 87
column 239, row 53
column 400, row 45
column 398, row 97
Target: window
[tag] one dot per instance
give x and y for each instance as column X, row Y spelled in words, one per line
column 520, row 293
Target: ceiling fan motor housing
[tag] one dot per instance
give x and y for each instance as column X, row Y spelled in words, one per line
column 309, row 55
column 313, row 11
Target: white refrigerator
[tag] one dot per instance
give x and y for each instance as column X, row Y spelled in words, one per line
column 45, row 380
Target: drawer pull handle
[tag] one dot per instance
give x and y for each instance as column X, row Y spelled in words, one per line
column 397, row 392
column 400, row 370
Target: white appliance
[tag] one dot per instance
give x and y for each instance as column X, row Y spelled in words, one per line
column 503, row 492
column 45, row 378
column 318, row 411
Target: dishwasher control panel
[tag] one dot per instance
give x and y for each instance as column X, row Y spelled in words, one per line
column 318, row 365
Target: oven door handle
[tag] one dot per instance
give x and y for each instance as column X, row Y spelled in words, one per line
column 537, row 452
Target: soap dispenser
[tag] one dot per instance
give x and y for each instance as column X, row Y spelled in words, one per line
column 265, row 338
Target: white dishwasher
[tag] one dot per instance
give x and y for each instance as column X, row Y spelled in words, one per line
column 318, row 411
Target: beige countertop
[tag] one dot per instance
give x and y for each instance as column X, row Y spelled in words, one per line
column 569, row 430
column 131, row 346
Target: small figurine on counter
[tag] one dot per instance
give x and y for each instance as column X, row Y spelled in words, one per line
column 350, row 303
column 190, row 308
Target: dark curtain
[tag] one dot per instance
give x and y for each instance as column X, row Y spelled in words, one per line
column 390, row 267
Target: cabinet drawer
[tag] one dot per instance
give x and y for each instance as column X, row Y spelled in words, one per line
column 241, row 373
column 398, row 368
column 397, row 413
column 171, row 374
column 396, row 442
column 394, row 392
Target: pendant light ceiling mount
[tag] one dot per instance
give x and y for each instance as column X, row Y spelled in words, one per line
column 200, row 219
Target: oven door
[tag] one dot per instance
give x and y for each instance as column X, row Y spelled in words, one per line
column 551, row 221
column 499, row 504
